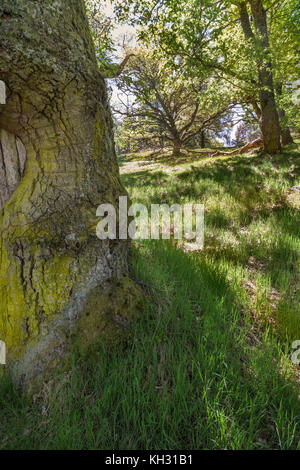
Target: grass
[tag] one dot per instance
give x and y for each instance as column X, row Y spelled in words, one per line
column 209, row 364
column 252, row 221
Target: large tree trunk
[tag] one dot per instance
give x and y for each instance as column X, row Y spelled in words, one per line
column 269, row 116
column 176, row 150
column 177, row 146
column 286, row 137
column 57, row 164
column 269, row 120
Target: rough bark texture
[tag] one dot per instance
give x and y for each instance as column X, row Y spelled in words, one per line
column 12, row 164
column 177, row 145
column 286, row 137
column 202, row 136
column 269, row 120
column 57, row 164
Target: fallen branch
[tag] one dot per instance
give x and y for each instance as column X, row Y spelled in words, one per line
column 257, row 143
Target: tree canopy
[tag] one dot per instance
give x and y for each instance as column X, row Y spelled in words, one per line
column 251, row 45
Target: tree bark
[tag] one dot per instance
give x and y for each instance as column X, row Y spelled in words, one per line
column 176, row 140
column 286, row 137
column 116, row 69
column 176, row 148
column 269, row 120
column 269, row 115
column 57, row 111
column 202, row 135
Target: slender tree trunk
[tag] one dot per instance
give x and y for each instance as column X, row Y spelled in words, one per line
column 257, row 111
column 286, row 137
column 57, row 164
column 269, row 121
column 162, row 143
column 202, row 136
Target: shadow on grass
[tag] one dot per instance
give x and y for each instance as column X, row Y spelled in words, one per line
column 247, row 212
column 188, row 379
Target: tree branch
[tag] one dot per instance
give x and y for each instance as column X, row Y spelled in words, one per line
column 115, row 70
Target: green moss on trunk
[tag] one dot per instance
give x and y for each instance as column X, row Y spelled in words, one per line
column 50, row 257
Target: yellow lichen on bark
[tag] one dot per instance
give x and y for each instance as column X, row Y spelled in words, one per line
column 50, row 257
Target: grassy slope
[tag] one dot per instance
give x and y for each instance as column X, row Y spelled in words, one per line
column 209, row 364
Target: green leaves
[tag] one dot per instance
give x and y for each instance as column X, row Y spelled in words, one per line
column 101, row 28
column 205, row 38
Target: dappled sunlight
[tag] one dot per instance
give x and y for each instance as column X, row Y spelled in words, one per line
column 248, row 214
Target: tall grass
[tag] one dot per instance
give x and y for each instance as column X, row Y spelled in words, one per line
column 208, row 364
column 252, row 220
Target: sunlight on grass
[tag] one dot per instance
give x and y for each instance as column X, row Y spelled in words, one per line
column 248, row 213
column 208, row 365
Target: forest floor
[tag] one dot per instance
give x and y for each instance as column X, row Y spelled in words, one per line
column 209, row 365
